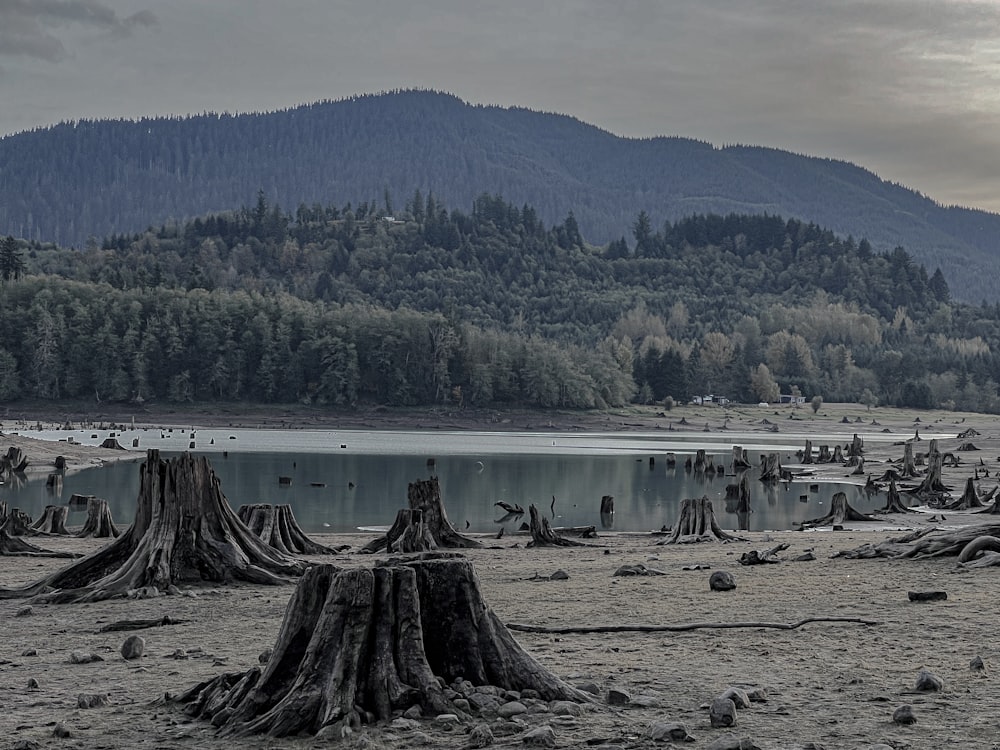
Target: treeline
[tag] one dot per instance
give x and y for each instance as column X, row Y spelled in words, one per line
column 418, row 304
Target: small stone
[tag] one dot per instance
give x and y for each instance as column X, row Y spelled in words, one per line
column 738, row 696
column 976, row 665
column 25, row 611
column 559, row 575
column 25, row 745
column 133, row 647
column 526, row 694
column 60, row 731
column 462, row 704
column 722, row 580
column 29, row 652
column 618, row 697
column 91, row 700
column 83, row 657
column 566, row 708
column 645, row 701
column 543, row 736
column 804, row 557
column 927, row 596
column 32, row 683
column 722, row 712
column 589, row 687
column 511, row 709
column 927, row 682
column 265, row 656
column 402, row 724
column 446, row 721
column 904, row 715
column 757, row 695
column 481, row 736
column 413, row 712
column 663, row 731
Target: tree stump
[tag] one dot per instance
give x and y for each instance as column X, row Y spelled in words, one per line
column 543, row 535
column 13, row 461
column 909, row 469
column 807, row 452
column 840, row 511
column 770, row 469
column 855, row 450
column 52, row 521
column 838, row 455
column 894, row 501
column 607, row 512
column 968, row 500
column 740, row 459
column 425, row 495
column 359, row 645
column 276, row 525
column 824, row 456
column 184, row 531
column 697, row 523
column 99, row 523
column 14, row 546
column 932, row 489
column 702, row 462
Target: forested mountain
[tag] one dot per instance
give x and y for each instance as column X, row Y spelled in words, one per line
column 74, row 181
column 431, row 305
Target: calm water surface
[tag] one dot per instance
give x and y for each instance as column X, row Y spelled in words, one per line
column 342, row 480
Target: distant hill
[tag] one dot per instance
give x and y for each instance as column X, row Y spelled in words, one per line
column 73, row 181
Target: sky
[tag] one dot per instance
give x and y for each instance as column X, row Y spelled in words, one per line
column 905, row 88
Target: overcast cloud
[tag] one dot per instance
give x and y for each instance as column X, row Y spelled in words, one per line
column 908, row 89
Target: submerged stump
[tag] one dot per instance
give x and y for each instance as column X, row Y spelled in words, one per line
column 360, row 645
column 184, row 531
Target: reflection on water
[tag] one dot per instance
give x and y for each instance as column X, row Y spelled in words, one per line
column 340, row 491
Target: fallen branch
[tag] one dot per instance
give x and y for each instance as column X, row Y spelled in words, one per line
column 139, row 624
column 681, row 628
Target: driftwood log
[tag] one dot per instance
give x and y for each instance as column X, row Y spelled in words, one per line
column 840, row 512
column 276, row 525
column 184, row 531
column 99, row 523
column 52, row 521
column 697, row 524
column 543, row 535
column 424, row 495
column 362, row 645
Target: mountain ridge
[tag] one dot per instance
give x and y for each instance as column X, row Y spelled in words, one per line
column 91, row 178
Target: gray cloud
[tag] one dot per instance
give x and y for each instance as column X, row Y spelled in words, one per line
column 29, row 28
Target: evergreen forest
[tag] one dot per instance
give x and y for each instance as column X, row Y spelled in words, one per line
column 420, row 303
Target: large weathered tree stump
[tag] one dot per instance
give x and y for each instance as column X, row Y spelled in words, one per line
column 909, row 469
column 276, row 525
column 932, row 490
column 740, row 459
column 361, row 644
column 425, row 495
column 184, row 531
column 894, row 501
column 968, row 500
column 52, row 521
column 807, row 452
column 771, row 470
column 13, row 461
column 697, row 524
column 543, row 535
column 840, row 512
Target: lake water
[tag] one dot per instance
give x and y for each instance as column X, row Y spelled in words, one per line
column 345, row 479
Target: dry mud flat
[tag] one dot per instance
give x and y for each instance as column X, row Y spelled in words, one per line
column 832, row 684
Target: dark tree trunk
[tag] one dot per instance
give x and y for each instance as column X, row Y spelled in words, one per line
column 543, row 535
column 770, row 468
column 359, row 645
column 99, row 523
column 807, row 452
column 184, row 531
column 840, row 511
column 701, row 462
column 276, row 525
column 697, row 523
column 824, row 456
column 425, row 495
column 53, row 521
column 607, row 512
column 13, row 461
column 932, row 489
column 894, row 502
column 838, row 455
column 909, row 469
column 968, row 500
column 854, row 450
column 740, row 459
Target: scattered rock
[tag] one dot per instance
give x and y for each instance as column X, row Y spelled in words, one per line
column 30, row 652
column 977, row 664
column 904, row 715
column 663, row 731
column 543, row 736
column 25, row 745
column 413, row 713
column 722, row 580
column 559, row 575
column 265, row 656
column 83, row 657
column 480, row 736
column 737, row 696
column 511, row 709
column 804, row 557
column 757, row 695
column 927, row 596
column 618, row 697
column 133, row 647
column 638, row 569
column 566, row 708
column 32, row 683
column 60, row 731
column 25, row 611
column 589, row 687
column 446, row 721
column 91, row 700
column 722, row 712
column 928, row 682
